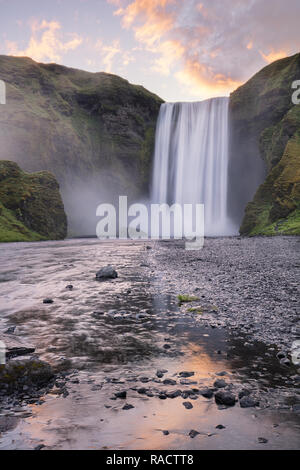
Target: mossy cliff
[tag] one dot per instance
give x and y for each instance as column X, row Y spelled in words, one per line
column 31, row 207
column 94, row 131
column 265, row 127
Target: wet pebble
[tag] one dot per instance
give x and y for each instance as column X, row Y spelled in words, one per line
column 223, row 397
column 122, row 394
column 127, row 407
column 187, row 405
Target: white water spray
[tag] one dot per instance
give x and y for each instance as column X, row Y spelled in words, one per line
column 191, row 159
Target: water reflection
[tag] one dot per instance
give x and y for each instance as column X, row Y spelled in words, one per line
column 121, row 331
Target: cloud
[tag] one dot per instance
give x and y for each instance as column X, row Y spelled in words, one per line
column 273, row 55
column 211, row 47
column 109, row 53
column 45, row 43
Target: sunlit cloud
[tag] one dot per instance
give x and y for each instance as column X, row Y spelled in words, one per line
column 273, row 55
column 208, row 46
column 46, row 42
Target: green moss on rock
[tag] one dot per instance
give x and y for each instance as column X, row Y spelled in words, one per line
column 30, row 372
column 31, row 207
column 265, row 123
column 93, row 131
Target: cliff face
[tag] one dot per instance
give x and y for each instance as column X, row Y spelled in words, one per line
column 95, row 132
column 265, row 127
column 31, row 207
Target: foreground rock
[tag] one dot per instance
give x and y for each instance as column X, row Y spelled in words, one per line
column 226, row 398
column 108, row 272
column 20, row 375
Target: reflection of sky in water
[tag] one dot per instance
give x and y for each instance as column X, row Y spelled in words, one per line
column 125, row 348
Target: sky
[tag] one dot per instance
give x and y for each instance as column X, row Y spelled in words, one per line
column 182, row 50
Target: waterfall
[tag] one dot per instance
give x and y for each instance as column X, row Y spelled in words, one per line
column 191, row 159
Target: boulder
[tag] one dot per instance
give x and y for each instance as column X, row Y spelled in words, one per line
column 108, row 272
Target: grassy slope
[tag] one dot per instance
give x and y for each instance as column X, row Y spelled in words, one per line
column 77, row 124
column 264, row 109
column 31, row 208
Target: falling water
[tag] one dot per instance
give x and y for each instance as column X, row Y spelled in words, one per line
column 191, row 159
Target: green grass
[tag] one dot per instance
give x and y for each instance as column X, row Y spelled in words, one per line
column 12, row 230
column 197, row 310
column 186, row 298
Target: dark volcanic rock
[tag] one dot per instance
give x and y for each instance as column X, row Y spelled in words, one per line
column 169, row 382
column 32, row 373
column 193, row 433
column 206, row 392
column 220, row 383
column 122, row 394
column 127, row 407
column 173, row 393
column 185, row 374
column 187, row 405
column 224, row 397
column 108, row 272
column 248, row 402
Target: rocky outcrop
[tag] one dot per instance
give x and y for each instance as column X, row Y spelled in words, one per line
column 31, row 207
column 265, row 128
column 93, row 131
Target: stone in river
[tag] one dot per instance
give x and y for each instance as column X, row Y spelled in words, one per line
column 169, row 382
column 187, row 382
column 166, row 433
column 262, row 440
column 206, row 393
column 248, row 402
column 48, row 301
column 142, row 390
column 185, row 374
column 220, row 426
column 108, row 272
column 221, row 374
column 244, row 393
column 162, row 396
column 173, row 393
column 127, row 407
column 187, row 405
column 122, row 394
column 224, row 397
column 10, row 331
column 193, row 433
column 220, row 383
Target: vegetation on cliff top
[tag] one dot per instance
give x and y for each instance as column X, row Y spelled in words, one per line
column 31, row 207
column 263, row 113
column 91, row 130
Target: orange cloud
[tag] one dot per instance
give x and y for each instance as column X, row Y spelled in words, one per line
column 199, row 78
column 153, row 25
column 273, row 55
column 45, row 43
